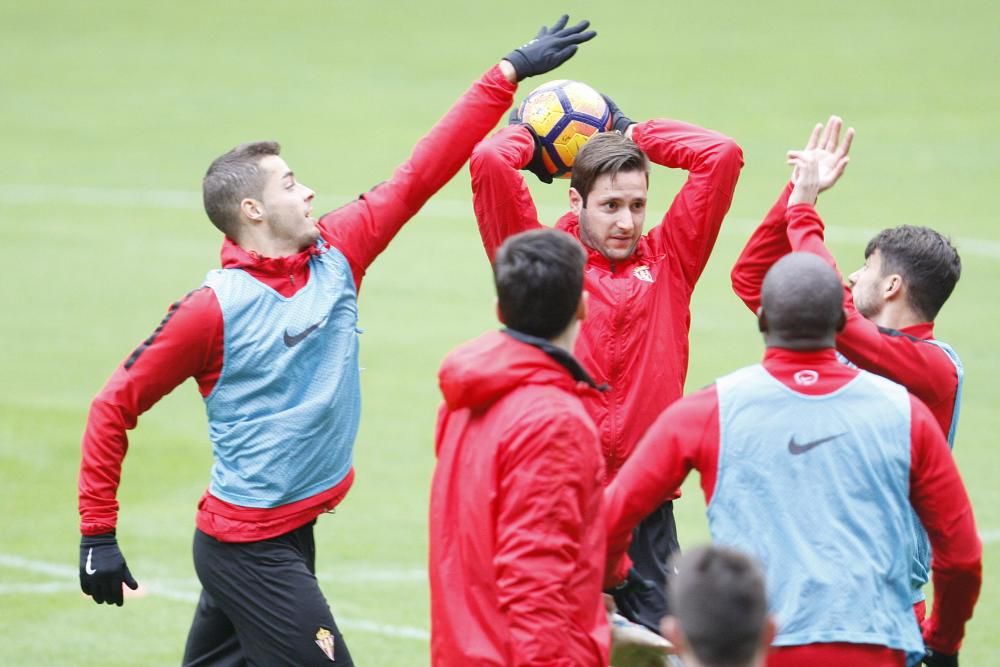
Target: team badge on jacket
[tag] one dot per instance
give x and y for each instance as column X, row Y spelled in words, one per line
column 643, row 273
column 324, row 639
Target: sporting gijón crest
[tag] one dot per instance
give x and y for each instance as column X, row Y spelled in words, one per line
column 643, row 273
column 324, row 639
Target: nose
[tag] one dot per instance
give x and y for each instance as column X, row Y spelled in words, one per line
column 853, row 278
column 309, row 193
column 625, row 221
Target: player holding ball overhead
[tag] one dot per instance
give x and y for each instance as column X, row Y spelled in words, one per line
column 272, row 340
column 635, row 339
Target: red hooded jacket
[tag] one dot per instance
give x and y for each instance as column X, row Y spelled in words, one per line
column 517, row 539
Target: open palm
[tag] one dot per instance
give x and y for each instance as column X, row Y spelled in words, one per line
column 829, row 151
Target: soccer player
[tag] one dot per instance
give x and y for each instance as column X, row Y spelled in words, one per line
column 272, row 340
column 517, row 539
column 636, row 336
column 891, row 301
column 718, row 609
column 812, row 466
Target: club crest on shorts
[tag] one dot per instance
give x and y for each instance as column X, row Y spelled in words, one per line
column 324, row 639
column 643, row 273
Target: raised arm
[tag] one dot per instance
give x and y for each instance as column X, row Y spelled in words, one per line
column 771, row 240
column 363, row 228
column 500, row 196
column 713, row 162
column 767, row 244
column 548, row 504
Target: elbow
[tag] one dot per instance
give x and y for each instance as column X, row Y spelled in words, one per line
column 740, row 284
column 482, row 155
column 730, row 154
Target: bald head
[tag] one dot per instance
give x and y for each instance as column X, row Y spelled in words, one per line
column 802, row 303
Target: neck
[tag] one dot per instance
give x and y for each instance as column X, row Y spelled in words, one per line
column 566, row 339
column 798, row 344
column 896, row 316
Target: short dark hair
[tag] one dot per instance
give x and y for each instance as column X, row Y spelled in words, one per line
column 718, row 597
column 606, row 153
column 802, row 298
column 927, row 261
column 539, row 281
column 231, row 178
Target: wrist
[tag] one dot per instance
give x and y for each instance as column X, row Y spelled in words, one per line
column 507, row 69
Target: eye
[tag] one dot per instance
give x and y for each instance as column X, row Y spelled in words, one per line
column 611, row 206
column 638, row 206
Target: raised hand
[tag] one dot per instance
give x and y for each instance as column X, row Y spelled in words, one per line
column 550, row 48
column 805, row 177
column 830, row 151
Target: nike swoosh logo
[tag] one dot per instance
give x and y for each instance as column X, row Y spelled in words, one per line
column 292, row 341
column 88, row 568
column 796, row 448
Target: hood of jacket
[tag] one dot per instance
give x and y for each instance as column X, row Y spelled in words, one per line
column 235, row 257
column 487, row 368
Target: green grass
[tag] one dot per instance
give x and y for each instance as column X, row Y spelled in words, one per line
column 101, row 102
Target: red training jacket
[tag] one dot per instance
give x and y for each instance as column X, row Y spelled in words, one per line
column 686, row 436
column 516, row 518
column 903, row 356
column 635, row 338
column 189, row 340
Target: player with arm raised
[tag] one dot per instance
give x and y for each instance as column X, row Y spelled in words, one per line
column 635, row 338
column 272, row 341
column 891, row 302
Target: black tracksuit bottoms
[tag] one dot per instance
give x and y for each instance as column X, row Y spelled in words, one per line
column 261, row 605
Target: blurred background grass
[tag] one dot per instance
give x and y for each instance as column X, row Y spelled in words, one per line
column 111, row 111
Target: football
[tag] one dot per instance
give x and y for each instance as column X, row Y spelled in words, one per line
column 564, row 114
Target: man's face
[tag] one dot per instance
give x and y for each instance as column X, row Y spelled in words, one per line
column 611, row 222
column 287, row 206
column 867, row 286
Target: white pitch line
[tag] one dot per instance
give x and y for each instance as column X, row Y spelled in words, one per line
column 152, row 587
column 989, row 536
column 13, row 193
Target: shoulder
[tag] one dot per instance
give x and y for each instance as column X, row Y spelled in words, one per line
column 549, row 412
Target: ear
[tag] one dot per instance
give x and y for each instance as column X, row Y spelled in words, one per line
column 670, row 628
column 842, row 320
column 496, row 305
column 892, row 286
column 576, row 203
column 761, row 320
column 767, row 636
column 581, row 308
column 252, row 209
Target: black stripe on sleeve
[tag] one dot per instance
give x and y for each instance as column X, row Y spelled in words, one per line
column 137, row 352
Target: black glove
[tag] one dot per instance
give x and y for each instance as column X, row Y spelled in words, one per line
column 536, row 166
column 935, row 659
column 619, row 121
column 550, row 48
column 103, row 569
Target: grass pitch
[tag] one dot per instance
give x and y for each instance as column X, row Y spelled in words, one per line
column 113, row 110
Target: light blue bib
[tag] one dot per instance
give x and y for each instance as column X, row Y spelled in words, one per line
column 284, row 413
column 817, row 488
